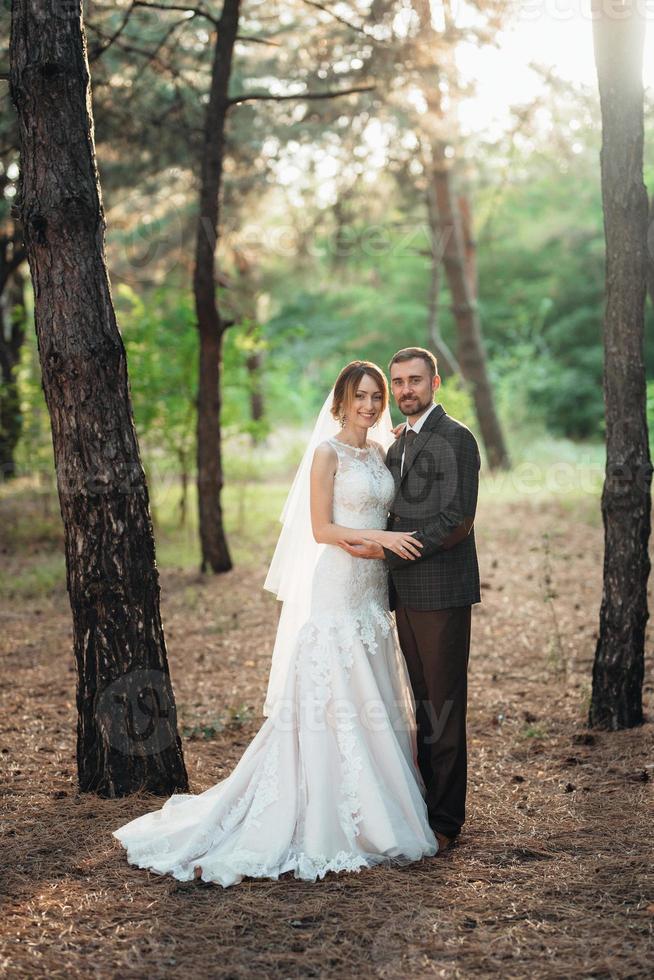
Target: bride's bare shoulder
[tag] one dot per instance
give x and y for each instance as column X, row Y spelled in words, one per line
column 325, row 454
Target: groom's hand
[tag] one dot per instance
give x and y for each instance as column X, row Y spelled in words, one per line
column 363, row 548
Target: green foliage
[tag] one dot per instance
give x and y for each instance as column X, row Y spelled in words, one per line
column 373, row 306
column 161, row 340
column 457, row 401
column 162, row 364
column 354, row 283
column 34, row 449
column 650, row 412
column 541, row 276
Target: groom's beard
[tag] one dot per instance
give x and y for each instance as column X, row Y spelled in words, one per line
column 413, row 405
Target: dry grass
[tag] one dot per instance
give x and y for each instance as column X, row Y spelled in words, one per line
column 553, row 874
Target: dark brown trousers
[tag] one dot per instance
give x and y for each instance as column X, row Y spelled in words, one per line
column 436, row 646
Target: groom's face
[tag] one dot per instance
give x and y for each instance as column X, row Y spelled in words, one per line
column 413, row 386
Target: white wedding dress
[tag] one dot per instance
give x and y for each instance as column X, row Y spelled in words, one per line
column 330, row 781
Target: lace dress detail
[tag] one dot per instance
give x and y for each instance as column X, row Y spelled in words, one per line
column 330, row 782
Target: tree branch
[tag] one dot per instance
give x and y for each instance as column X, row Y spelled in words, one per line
column 94, row 55
column 341, row 20
column 19, row 255
column 151, row 56
column 260, row 96
column 200, row 12
column 186, row 7
column 258, row 40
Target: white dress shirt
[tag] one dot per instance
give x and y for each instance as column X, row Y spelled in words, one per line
column 416, row 427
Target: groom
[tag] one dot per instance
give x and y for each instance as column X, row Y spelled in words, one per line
column 435, row 464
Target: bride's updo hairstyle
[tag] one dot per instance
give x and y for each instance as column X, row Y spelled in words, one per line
column 349, row 380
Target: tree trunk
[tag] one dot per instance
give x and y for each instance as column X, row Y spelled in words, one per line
column 435, row 52
column 211, row 327
column 127, row 731
column 12, row 336
column 246, row 290
column 469, row 245
column 626, row 499
column 471, row 354
column 446, row 358
column 184, row 481
column 253, row 366
column 650, row 251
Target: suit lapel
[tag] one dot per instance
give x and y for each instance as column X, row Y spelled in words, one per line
column 422, row 439
column 419, row 444
column 395, row 460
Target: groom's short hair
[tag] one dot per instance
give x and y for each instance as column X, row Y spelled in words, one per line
column 408, row 353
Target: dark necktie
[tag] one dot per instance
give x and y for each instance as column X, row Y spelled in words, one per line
column 409, row 440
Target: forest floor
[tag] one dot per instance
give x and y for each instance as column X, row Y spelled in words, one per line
column 553, row 875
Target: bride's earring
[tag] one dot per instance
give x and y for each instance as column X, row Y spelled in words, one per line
column 343, row 420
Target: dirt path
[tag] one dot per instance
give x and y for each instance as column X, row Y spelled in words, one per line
column 552, row 877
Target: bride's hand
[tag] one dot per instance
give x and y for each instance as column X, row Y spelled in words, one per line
column 401, row 542
column 398, row 430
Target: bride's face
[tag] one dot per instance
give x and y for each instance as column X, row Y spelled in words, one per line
column 367, row 403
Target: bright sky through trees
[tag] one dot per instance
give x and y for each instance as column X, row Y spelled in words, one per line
column 541, row 37
column 554, row 34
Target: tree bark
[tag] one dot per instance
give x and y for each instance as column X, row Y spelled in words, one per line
column 12, row 336
column 435, row 52
column 253, row 365
column 626, row 498
column 211, row 326
column 446, row 358
column 184, row 481
column 246, row 290
column 650, row 251
column 469, row 245
column 471, row 354
column 127, row 732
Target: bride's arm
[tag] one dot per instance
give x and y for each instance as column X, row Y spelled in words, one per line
column 323, row 470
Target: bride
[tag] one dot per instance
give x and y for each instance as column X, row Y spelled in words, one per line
column 330, row 781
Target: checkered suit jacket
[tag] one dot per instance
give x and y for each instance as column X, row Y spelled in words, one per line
column 437, row 496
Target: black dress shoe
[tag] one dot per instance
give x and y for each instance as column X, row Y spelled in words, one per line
column 444, row 842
